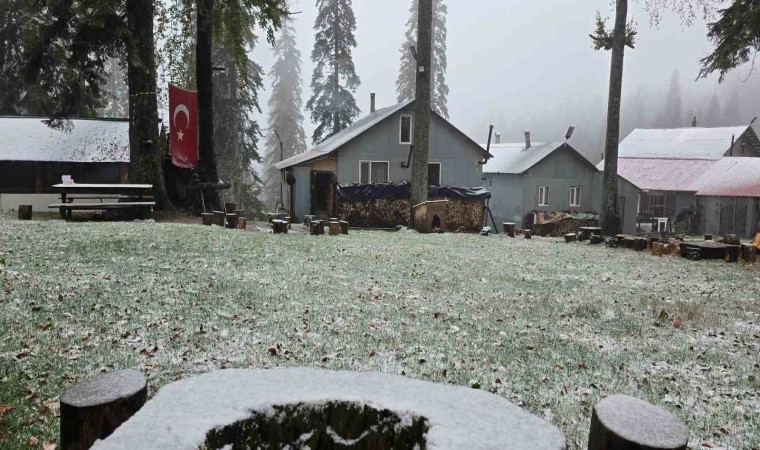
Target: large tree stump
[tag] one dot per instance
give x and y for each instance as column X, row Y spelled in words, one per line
column 749, row 253
column 24, row 212
column 232, row 220
column 596, row 239
column 343, row 227
column 316, row 227
column 732, row 253
column 207, row 218
column 334, row 228
column 92, row 409
column 219, row 217
column 510, row 228
column 528, row 234
column 621, row 422
column 279, row 226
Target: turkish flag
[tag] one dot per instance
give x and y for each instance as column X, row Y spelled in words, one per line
column 183, row 127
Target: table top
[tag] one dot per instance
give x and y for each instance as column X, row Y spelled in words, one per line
column 75, row 186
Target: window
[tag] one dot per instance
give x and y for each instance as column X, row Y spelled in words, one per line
column 543, row 196
column 374, row 172
column 575, row 196
column 434, row 174
column 405, row 130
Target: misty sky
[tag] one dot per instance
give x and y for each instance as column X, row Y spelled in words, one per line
column 510, row 58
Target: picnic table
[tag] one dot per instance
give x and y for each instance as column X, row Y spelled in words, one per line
column 71, row 193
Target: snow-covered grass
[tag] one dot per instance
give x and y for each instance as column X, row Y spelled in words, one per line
column 552, row 327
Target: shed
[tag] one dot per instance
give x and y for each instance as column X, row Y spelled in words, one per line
column 34, row 156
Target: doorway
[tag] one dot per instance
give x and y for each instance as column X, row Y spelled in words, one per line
column 322, row 194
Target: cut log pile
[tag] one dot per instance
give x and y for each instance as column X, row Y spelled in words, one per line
column 461, row 215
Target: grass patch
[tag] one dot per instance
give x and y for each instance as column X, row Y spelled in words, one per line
column 552, row 327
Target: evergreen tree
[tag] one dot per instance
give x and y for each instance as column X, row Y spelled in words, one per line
column 671, row 115
column 334, row 81
column 405, row 83
column 285, row 105
column 713, row 116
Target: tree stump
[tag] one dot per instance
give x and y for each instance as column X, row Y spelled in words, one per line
column 316, row 228
column 510, row 229
column 93, row 408
column 230, row 207
column 334, row 228
column 731, row 239
column 343, row 227
column 571, row 237
column 528, row 234
column 732, row 253
column 596, row 239
column 708, row 237
column 621, row 422
column 232, row 220
column 749, row 253
column 24, row 212
column 207, row 218
column 219, row 218
column 279, row 226
column 657, row 248
column 288, row 220
column 242, row 223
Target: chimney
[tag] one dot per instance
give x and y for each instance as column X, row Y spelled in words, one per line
column 372, row 103
column 694, row 122
column 527, row 139
column 497, row 138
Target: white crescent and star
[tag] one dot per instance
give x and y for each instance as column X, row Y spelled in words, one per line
column 181, row 109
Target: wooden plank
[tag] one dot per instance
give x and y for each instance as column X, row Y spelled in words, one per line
column 94, row 206
column 75, row 186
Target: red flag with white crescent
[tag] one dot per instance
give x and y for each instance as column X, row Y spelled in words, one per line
column 183, row 127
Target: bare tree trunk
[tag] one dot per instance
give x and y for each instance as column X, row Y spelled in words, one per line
column 145, row 159
column 422, row 106
column 203, row 74
column 610, row 219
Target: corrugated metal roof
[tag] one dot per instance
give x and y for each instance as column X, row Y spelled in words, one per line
column 515, row 158
column 334, row 142
column 87, row 140
column 680, row 143
column 661, row 174
column 731, row 177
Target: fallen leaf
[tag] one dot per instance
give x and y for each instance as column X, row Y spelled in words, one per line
column 44, row 326
column 273, row 351
column 48, row 445
column 32, row 441
column 5, row 408
column 677, row 322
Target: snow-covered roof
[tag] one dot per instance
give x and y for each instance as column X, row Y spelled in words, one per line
column 680, row 143
column 661, row 174
column 82, row 140
column 516, row 159
column 338, row 140
column 730, row 177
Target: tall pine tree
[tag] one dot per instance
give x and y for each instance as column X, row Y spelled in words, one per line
column 671, row 115
column 115, row 91
column 285, row 105
column 334, row 81
column 405, row 84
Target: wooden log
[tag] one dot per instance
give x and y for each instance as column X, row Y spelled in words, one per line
column 232, row 220
column 288, row 220
column 749, row 253
column 334, row 228
column 657, row 248
column 242, row 223
column 219, row 218
column 510, row 229
column 708, row 237
column 528, row 234
column 571, row 237
column 731, row 239
column 596, row 239
column 230, row 207
column 279, row 226
column 621, row 422
column 316, row 228
column 343, row 227
column 93, row 408
column 24, row 212
column 207, row 218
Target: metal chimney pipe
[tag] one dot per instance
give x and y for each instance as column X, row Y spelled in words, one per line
column 497, row 138
column 372, row 102
column 694, row 122
column 527, row 139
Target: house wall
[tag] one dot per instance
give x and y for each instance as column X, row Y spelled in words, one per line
column 458, row 155
column 628, row 201
column 506, row 201
column 743, row 140
column 724, row 215
column 302, row 189
column 560, row 171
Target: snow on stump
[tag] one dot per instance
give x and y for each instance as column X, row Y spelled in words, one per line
column 621, row 422
column 24, row 212
column 322, row 409
column 510, row 228
column 93, row 408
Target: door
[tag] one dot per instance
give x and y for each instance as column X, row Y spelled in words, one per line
column 321, row 193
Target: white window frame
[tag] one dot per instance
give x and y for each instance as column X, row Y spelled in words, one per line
column 411, row 129
column 370, row 162
column 573, row 190
column 543, row 196
column 440, row 171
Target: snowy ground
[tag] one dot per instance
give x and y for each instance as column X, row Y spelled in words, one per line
column 550, row 326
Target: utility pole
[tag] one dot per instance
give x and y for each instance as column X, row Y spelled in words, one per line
column 420, row 150
column 282, row 203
